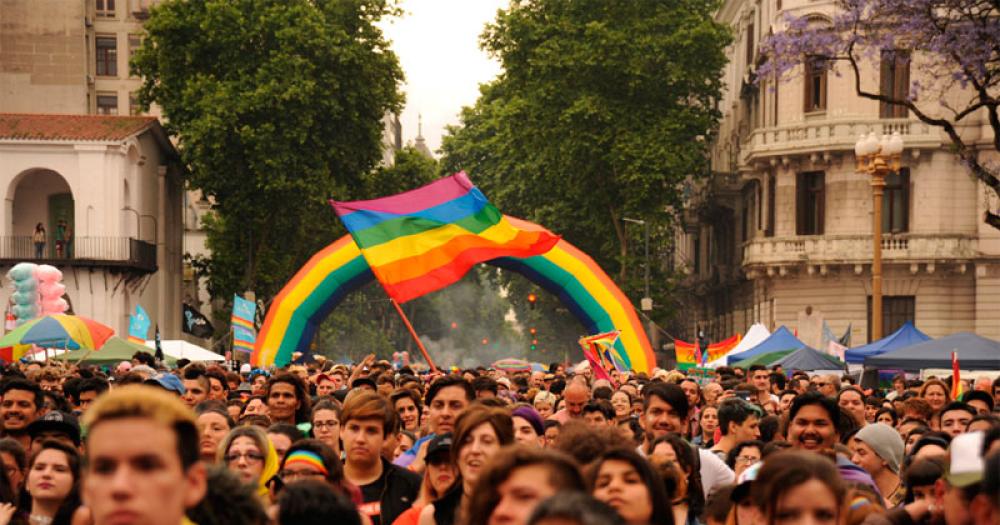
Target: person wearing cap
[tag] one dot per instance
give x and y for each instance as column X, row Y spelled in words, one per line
column 325, row 385
column 364, row 383
column 168, row 382
column 57, row 426
column 439, row 474
column 878, row 449
column 961, row 482
column 529, row 428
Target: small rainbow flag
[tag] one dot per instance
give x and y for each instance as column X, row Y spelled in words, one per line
column 603, row 345
column 688, row 354
column 244, row 333
column 957, row 388
column 425, row 239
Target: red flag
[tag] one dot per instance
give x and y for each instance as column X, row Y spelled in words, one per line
column 596, row 366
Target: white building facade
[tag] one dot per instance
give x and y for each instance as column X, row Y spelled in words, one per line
column 108, row 191
column 782, row 232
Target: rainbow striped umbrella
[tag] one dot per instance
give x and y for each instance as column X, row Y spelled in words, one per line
column 70, row 332
column 512, row 365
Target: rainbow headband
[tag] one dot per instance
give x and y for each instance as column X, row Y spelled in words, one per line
column 307, row 458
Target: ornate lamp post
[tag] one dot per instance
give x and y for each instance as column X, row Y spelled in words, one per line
column 877, row 158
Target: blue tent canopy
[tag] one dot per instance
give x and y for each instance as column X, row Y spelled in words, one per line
column 779, row 341
column 807, row 359
column 974, row 353
column 907, row 335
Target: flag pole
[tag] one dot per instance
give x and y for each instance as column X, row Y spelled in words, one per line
column 416, row 339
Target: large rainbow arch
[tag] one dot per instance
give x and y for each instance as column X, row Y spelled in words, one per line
column 339, row 269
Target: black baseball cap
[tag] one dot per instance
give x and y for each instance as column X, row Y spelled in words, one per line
column 439, row 444
column 56, row 421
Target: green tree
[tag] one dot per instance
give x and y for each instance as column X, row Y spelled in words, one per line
column 596, row 117
column 276, row 106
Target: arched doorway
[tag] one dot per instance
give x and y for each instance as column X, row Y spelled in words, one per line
column 41, row 196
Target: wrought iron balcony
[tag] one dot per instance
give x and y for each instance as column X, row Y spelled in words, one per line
column 123, row 252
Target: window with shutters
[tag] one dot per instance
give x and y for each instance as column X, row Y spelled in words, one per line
column 815, row 87
column 106, row 55
column 896, row 202
column 810, row 203
column 894, row 82
column 750, row 41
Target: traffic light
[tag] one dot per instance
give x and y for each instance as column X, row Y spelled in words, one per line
column 534, row 345
column 486, row 341
column 531, row 299
column 533, row 331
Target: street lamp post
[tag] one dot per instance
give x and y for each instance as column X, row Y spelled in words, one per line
column 646, row 303
column 877, row 158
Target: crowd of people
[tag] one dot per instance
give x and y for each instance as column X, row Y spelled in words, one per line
column 373, row 444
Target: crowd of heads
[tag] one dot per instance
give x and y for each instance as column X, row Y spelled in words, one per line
column 373, row 444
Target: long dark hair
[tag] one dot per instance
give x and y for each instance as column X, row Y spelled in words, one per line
column 788, row 469
column 563, row 474
column 662, row 513
column 695, row 497
column 72, row 501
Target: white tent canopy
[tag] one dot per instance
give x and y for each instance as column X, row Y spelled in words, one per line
column 754, row 336
column 180, row 349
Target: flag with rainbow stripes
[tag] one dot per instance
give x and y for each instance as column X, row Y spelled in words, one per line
column 244, row 332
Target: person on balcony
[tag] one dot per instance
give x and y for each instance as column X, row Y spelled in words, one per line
column 60, row 238
column 38, row 237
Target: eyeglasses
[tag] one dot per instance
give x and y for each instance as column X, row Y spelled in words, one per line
column 251, row 457
column 747, row 459
column 290, row 475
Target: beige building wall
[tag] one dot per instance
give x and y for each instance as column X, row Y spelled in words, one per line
column 948, row 259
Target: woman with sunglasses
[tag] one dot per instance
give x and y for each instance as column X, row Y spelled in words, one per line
column 247, row 452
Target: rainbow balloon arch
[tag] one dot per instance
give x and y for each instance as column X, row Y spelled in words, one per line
column 339, row 269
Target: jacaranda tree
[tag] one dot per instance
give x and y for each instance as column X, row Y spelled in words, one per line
column 953, row 48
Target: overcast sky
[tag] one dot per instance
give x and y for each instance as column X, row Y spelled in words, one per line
column 437, row 42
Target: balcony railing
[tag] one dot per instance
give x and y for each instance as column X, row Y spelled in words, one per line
column 828, row 135
column 833, row 249
column 81, row 251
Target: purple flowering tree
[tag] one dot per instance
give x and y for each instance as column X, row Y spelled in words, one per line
column 954, row 44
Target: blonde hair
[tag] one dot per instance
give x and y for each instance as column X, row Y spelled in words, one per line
column 155, row 404
column 545, row 396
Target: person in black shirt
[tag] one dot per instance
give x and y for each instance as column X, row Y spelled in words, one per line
column 386, row 489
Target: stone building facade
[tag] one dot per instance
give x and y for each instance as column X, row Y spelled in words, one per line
column 781, row 233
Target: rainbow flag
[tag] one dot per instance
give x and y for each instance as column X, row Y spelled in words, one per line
column 603, row 346
column 138, row 325
column 688, row 354
column 244, row 333
column 426, row 239
column 957, row 389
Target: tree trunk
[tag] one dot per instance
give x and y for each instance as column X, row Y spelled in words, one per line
column 622, row 244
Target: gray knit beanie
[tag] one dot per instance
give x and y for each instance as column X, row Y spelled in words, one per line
column 885, row 441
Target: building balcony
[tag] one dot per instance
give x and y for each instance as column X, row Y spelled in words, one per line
column 121, row 252
column 818, row 139
column 826, row 250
